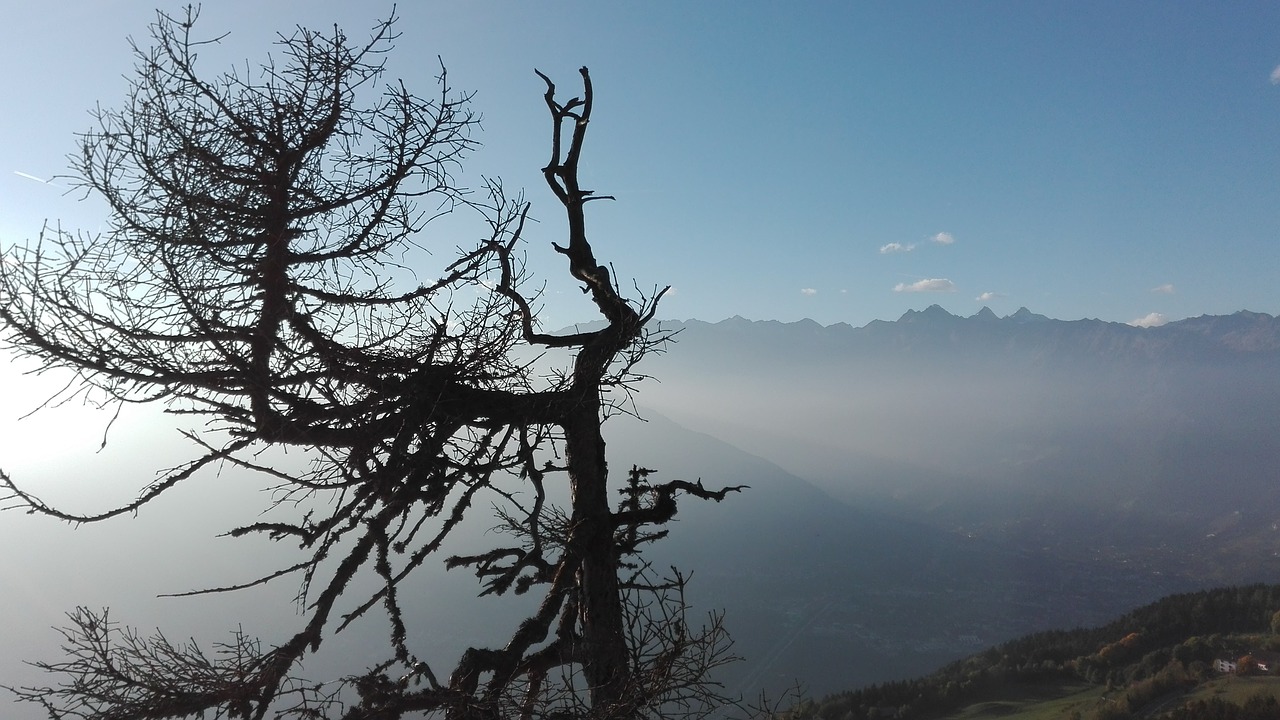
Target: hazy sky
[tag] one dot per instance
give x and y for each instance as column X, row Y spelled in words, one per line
column 842, row 161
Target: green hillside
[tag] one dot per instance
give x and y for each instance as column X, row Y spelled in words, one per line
column 1155, row 662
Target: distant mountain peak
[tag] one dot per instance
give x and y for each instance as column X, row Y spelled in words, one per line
column 933, row 312
column 984, row 314
column 1023, row 315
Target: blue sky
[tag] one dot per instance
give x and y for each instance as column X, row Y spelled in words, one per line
column 838, row 161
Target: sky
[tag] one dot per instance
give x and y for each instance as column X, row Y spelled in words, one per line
column 838, row 161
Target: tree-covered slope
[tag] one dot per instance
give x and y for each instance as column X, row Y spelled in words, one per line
column 1146, row 659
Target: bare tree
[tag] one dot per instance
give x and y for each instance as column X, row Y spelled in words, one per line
column 257, row 274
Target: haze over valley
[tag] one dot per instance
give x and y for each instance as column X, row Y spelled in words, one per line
column 994, row 475
column 919, row 490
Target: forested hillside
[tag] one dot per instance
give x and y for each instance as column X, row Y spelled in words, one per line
column 1153, row 653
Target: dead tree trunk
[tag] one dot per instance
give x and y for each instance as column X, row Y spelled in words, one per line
column 603, row 647
column 603, row 638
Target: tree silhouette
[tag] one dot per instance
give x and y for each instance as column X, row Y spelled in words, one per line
column 260, row 274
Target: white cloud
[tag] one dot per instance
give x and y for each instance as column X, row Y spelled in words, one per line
column 1275, row 76
column 937, row 285
column 1165, row 289
column 988, row 296
column 1150, row 321
column 808, row 291
column 942, row 238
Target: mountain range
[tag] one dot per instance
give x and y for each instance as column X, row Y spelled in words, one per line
column 979, row 477
column 1161, row 416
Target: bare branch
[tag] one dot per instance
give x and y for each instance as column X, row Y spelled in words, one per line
column 260, row 275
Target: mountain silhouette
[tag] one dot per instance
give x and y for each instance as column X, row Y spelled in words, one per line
column 1100, row 449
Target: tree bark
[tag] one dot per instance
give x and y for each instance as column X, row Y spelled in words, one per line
column 603, row 638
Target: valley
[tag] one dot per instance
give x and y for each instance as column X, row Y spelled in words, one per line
column 926, row 486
